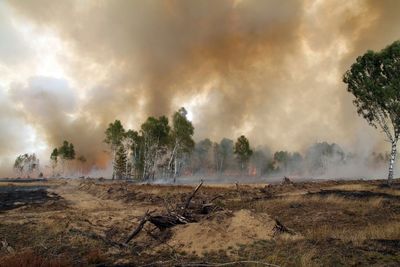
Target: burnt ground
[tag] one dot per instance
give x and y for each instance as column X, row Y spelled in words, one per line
column 84, row 223
column 12, row 197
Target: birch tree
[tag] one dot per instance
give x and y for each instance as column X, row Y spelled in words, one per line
column 243, row 151
column 374, row 80
column 203, row 155
column 115, row 134
column 135, row 157
column 82, row 160
column 26, row 164
column 120, row 165
column 182, row 139
column 155, row 134
column 54, row 160
column 67, row 153
column 226, row 153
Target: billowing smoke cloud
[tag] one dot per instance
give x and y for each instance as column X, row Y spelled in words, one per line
column 269, row 69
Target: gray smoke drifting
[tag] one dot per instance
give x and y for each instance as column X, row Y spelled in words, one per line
column 269, row 69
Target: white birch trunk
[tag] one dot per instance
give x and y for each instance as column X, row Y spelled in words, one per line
column 392, row 160
column 175, row 168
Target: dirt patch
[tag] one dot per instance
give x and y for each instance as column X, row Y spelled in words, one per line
column 223, row 232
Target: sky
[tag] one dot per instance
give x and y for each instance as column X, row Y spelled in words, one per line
column 269, row 69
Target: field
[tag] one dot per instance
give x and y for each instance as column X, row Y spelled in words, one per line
column 86, row 222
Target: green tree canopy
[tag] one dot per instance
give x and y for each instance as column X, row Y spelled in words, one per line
column 54, row 155
column 156, row 130
column 243, row 151
column 26, row 164
column 66, row 151
column 114, row 134
column 374, row 80
column 120, row 163
column 182, row 130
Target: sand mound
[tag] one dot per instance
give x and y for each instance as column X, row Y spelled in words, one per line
column 243, row 227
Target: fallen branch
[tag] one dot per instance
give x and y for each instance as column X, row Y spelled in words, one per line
column 229, row 263
column 139, row 228
column 171, row 218
column 216, row 197
column 167, row 221
column 192, row 195
column 209, row 264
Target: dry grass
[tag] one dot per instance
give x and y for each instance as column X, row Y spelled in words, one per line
column 388, row 231
column 366, row 187
column 95, row 256
column 329, row 226
column 306, row 260
column 28, row 258
column 353, row 205
column 353, row 187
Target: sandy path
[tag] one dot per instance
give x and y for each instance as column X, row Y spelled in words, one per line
column 80, row 200
column 86, row 211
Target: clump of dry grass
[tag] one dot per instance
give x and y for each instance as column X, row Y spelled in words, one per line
column 305, row 200
column 95, row 257
column 388, row 231
column 29, row 258
column 353, row 187
column 306, row 259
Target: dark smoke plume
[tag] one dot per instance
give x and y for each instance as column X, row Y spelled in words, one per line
column 269, row 69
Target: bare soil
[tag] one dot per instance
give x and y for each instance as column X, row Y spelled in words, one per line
column 85, row 222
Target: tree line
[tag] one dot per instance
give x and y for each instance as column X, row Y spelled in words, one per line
column 161, row 150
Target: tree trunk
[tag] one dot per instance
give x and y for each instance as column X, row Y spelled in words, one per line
column 392, row 160
column 175, row 168
column 113, row 163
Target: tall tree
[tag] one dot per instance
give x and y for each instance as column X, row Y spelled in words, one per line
column 54, row 160
column 115, row 134
column 243, row 151
column 281, row 159
column 134, row 144
column 182, row 138
column 202, row 154
column 374, row 80
column 320, row 156
column 223, row 154
column 82, row 160
column 120, row 165
column 67, row 153
column 155, row 133
column 26, row 164
column 259, row 160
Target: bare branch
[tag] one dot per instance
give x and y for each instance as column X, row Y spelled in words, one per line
column 192, row 195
